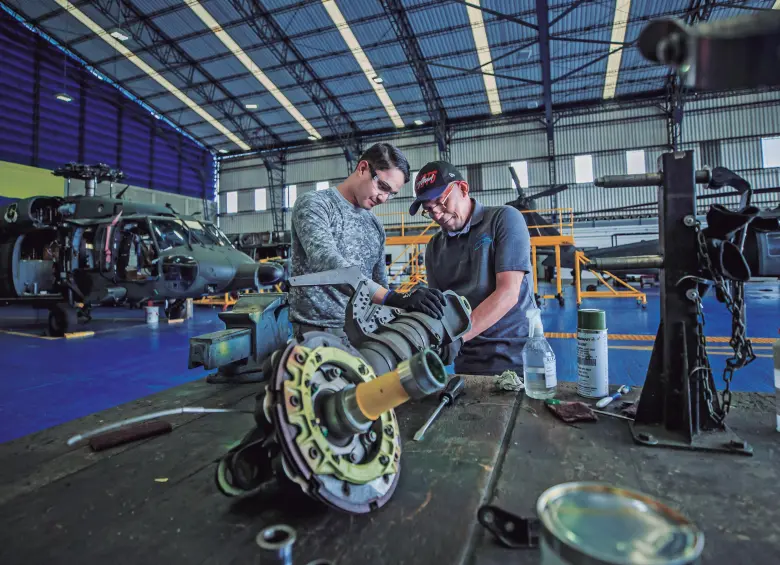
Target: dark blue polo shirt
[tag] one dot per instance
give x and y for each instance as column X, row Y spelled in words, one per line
column 496, row 239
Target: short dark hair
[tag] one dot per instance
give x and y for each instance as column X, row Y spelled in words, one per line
column 384, row 156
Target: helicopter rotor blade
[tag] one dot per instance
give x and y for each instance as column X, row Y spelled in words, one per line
column 516, row 181
column 549, row 192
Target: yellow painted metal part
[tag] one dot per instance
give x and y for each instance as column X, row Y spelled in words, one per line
column 580, row 260
column 312, row 437
column 380, row 395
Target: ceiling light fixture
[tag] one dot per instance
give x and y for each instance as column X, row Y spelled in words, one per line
column 223, row 150
column 63, row 97
column 418, row 122
column 250, row 65
column 154, row 75
column 365, row 65
column 619, row 25
column 120, row 34
column 250, row 106
column 483, row 54
column 312, row 138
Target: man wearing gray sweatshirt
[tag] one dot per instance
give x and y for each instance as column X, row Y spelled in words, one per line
column 335, row 228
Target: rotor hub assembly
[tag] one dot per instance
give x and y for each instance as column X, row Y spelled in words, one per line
column 332, row 422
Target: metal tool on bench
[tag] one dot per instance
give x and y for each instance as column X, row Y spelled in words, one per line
column 326, row 423
column 255, row 328
column 679, row 405
column 385, row 336
column 454, row 389
column 258, row 325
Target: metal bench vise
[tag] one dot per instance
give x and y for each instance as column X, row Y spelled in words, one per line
column 256, row 327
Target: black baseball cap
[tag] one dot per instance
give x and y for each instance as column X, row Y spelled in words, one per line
column 432, row 180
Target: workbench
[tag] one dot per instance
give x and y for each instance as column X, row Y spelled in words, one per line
column 155, row 501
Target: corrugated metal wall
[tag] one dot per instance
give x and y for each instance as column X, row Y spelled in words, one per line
column 100, row 124
column 737, row 122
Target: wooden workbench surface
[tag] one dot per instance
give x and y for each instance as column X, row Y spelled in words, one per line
column 155, row 501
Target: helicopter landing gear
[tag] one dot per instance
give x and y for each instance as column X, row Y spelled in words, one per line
column 176, row 310
column 64, row 319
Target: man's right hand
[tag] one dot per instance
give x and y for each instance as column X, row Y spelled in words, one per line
column 429, row 301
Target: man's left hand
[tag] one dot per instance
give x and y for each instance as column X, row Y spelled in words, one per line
column 450, row 351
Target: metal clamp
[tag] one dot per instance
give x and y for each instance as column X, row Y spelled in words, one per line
column 511, row 531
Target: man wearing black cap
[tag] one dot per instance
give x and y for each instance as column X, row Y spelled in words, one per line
column 334, row 229
column 482, row 253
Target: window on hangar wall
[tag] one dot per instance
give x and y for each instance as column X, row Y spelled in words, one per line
column 261, row 200
column 323, row 185
column 231, row 202
column 635, row 162
column 290, row 195
column 770, row 151
column 583, row 169
column 521, row 170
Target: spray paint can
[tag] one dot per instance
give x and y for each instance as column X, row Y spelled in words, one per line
column 586, row 523
column 592, row 354
column 776, row 352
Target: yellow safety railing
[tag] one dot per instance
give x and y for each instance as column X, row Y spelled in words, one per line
column 580, row 260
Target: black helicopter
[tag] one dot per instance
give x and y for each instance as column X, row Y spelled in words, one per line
column 538, row 225
column 73, row 253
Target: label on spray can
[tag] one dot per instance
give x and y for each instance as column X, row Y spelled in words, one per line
column 592, row 363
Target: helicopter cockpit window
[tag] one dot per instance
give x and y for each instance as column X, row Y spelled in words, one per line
column 170, row 234
column 137, row 254
column 200, row 233
column 217, row 234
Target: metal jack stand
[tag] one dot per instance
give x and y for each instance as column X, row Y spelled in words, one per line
column 678, row 407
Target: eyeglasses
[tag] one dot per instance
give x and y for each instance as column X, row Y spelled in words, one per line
column 380, row 184
column 428, row 212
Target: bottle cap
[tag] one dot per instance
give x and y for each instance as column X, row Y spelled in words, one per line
column 591, row 319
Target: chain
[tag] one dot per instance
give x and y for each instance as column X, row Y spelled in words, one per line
column 742, row 347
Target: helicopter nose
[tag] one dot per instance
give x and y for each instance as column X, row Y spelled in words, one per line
column 255, row 275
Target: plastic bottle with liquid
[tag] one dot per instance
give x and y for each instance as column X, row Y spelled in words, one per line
column 538, row 360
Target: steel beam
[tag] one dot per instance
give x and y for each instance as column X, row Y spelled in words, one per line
column 275, row 162
column 179, row 63
column 433, row 104
column 498, row 15
column 542, row 19
column 274, row 39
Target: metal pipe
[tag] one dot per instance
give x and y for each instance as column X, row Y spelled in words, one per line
column 276, row 542
column 626, row 263
column 352, row 410
column 649, row 179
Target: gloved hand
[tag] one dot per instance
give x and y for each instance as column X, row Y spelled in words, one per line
column 450, row 351
column 426, row 300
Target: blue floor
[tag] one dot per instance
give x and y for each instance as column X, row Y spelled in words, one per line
column 47, row 382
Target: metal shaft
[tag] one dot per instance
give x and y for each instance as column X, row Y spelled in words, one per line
column 421, row 432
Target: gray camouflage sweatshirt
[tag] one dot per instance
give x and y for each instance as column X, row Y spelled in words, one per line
column 328, row 232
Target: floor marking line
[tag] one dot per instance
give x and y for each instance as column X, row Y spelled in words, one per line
column 24, row 334
column 646, row 337
column 649, row 348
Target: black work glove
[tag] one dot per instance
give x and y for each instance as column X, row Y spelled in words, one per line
column 426, row 300
column 450, row 351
